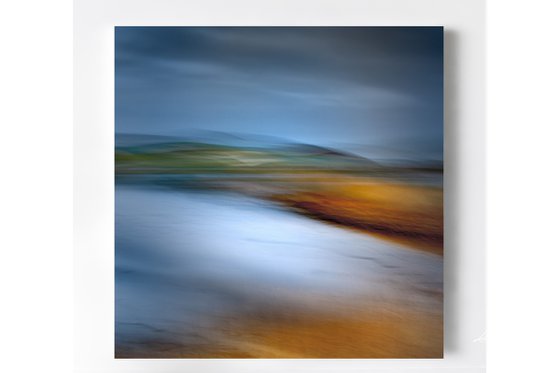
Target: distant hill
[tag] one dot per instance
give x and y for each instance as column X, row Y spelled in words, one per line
column 221, row 151
column 132, row 139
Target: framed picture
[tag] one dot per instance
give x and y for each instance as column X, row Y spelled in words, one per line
column 279, row 192
column 266, row 191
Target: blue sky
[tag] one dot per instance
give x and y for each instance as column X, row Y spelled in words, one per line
column 358, row 88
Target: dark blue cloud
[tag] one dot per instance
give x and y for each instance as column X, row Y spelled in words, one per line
column 375, row 86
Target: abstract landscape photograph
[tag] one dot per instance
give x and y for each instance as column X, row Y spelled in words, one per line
column 279, row 192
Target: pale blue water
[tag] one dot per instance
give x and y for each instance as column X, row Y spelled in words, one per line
column 186, row 261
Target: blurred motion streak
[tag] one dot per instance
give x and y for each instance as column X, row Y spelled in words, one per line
column 250, row 279
column 278, row 192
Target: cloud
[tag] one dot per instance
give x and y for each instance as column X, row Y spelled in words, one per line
column 361, row 84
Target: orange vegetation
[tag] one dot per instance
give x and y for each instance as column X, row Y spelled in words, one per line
column 410, row 212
